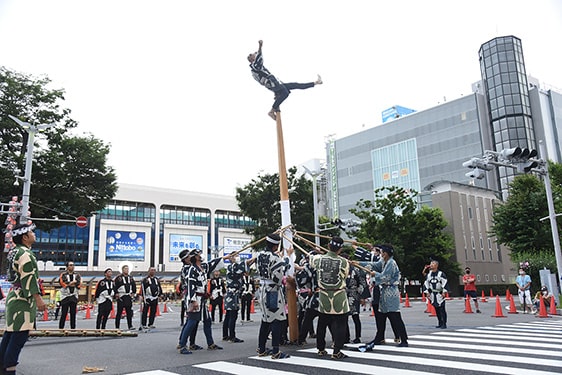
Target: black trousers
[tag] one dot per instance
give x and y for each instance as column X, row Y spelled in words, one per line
column 68, row 305
column 104, row 309
column 124, row 303
column 229, row 324
column 284, row 89
column 307, row 327
column 396, row 322
column 149, row 305
column 357, row 323
column 337, row 324
column 216, row 303
column 275, row 329
column 441, row 313
column 246, row 303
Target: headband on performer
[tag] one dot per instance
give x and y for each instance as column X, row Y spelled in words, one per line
column 273, row 239
column 336, row 243
column 22, row 229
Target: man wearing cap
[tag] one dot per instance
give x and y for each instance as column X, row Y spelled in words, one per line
column 469, row 281
column 24, row 298
column 271, row 268
column 387, row 277
column 70, row 284
column 196, row 298
column 104, row 295
column 125, row 288
column 435, row 287
column 333, row 307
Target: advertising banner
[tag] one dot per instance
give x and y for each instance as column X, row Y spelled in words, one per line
column 232, row 244
column 178, row 242
column 125, row 245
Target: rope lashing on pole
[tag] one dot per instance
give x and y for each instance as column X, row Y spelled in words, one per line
column 247, row 246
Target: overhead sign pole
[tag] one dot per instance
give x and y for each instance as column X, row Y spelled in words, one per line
column 286, row 222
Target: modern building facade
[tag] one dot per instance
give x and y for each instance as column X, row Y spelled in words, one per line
column 506, row 109
column 146, row 227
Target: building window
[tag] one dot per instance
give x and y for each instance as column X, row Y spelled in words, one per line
column 469, row 213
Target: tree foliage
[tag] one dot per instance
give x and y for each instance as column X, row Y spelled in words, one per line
column 259, row 200
column 416, row 234
column 69, row 173
column 516, row 222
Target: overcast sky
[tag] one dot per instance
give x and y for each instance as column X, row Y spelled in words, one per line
column 167, row 83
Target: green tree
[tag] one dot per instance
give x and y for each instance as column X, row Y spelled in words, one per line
column 416, row 234
column 69, row 173
column 259, row 200
column 516, row 222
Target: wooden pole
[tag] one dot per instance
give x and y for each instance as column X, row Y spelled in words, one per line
column 290, row 286
column 329, row 238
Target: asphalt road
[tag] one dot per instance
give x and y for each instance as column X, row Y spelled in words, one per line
column 156, row 350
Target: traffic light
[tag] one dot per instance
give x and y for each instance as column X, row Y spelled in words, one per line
column 527, row 166
column 511, row 153
column 476, row 173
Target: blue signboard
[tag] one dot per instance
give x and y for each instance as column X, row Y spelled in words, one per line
column 178, row 242
column 125, row 245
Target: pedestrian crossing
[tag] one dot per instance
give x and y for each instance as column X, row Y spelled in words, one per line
column 515, row 349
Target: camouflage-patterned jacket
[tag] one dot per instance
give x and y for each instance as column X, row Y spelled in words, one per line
column 20, row 303
column 331, row 273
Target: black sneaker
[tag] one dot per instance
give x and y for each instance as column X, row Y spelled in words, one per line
column 195, row 347
column 265, row 353
column 322, row 353
column 280, row 355
column 357, row 341
column 403, row 344
column 214, row 347
column 236, row 340
column 339, row 355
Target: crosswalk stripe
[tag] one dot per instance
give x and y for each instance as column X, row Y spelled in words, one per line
column 492, row 348
column 238, row 369
column 485, row 341
column 534, row 326
column 527, row 338
column 486, row 331
column 481, row 356
column 434, row 362
column 344, row 366
column 520, row 329
column 154, row 372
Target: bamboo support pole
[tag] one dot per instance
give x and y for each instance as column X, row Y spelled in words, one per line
column 328, row 237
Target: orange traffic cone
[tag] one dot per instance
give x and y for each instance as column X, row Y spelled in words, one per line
column 483, row 299
column 467, row 307
column 542, row 310
column 552, row 307
column 423, row 297
column 447, row 296
column 432, row 311
column 45, row 315
column 88, row 313
column 252, row 307
column 427, row 304
column 157, row 309
column 400, row 294
column 407, row 303
column 507, row 294
column 112, row 313
column 491, row 293
column 499, row 312
column 372, row 311
column 512, row 309
column 165, row 308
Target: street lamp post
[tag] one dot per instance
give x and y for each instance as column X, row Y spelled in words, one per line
column 552, row 217
column 31, row 130
column 314, row 171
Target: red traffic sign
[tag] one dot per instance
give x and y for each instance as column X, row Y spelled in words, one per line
column 81, row 222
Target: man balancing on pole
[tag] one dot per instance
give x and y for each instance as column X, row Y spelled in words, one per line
column 265, row 78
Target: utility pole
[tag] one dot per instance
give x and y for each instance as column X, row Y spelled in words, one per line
column 31, row 131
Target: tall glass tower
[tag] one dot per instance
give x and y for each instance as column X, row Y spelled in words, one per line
column 505, row 80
